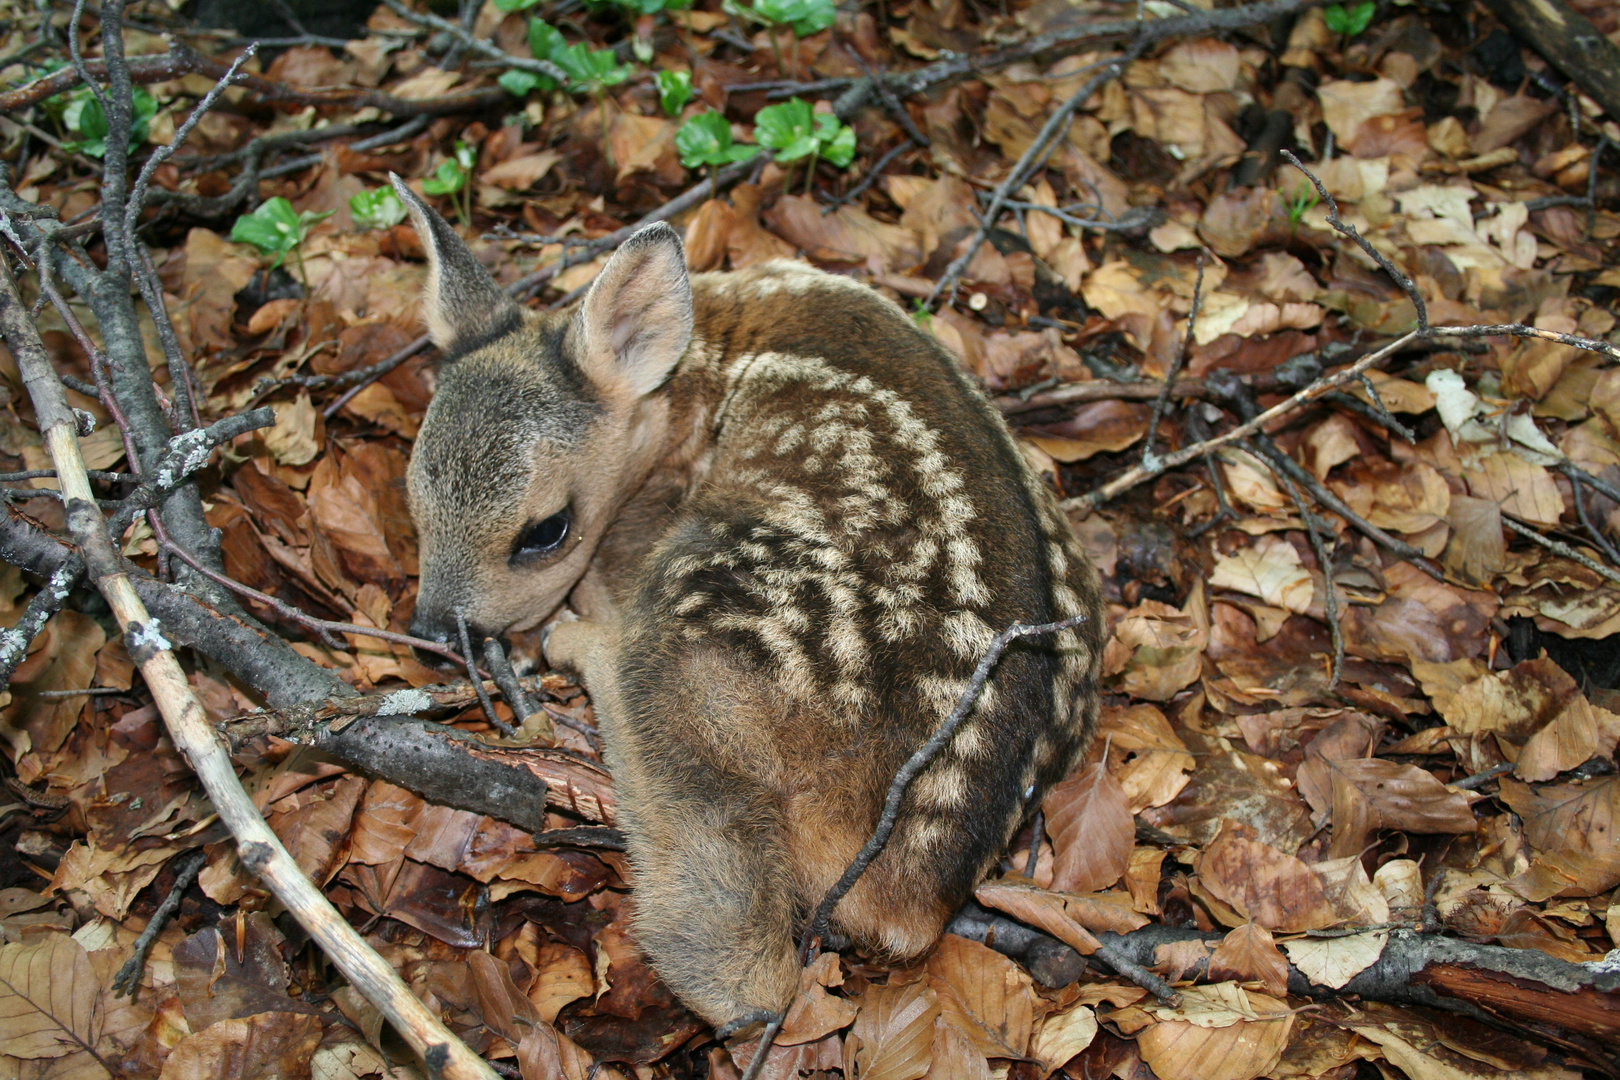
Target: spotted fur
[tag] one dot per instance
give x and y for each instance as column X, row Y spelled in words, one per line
column 797, row 526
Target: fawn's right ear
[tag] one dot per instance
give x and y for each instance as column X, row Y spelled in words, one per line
column 462, row 303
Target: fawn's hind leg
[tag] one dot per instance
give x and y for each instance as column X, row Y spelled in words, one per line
column 686, row 738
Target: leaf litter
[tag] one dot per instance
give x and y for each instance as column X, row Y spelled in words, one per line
column 1233, row 789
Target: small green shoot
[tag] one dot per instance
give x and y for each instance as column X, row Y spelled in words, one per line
column 509, row 6
column 1348, row 22
column 378, row 208
column 793, row 131
column 275, row 228
column 454, row 178
column 921, row 315
column 590, row 71
column 803, row 17
column 84, row 117
column 1305, row 197
column 705, row 139
column 674, row 91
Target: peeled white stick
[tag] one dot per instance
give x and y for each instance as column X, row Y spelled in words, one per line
column 259, row 848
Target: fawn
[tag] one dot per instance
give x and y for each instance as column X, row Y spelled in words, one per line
column 791, row 525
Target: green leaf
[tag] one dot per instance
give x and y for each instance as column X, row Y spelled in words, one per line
column 519, row 83
column 674, row 91
column 545, row 41
column 705, row 139
column 275, row 228
column 788, row 129
column 806, row 17
column 446, row 180
column 840, row 149
column 1349, row 22
column 515, row 5
column 379, row 208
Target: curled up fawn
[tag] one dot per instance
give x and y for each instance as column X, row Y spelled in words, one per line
column 791, row 525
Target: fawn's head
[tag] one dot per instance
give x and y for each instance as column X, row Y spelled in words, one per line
column 541, row 426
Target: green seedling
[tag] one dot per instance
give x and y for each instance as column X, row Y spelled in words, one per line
column 275, row 228
column 590, row 71
column 83, row 116
column 378, row 208
column 454, row 178
column 1348, row 22
column 803, row 17
column 705, row 141
column 793, row 131
column 1305, row 197
column 674, row 91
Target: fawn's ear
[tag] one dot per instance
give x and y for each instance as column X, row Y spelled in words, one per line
column 462, row 304
column 636, row 320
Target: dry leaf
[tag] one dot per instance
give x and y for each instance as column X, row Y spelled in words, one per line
column 1063, row 1035
column 1225, row 1036
column 1270, row 569
column 1248, row 954
column 995, row 991
column 1091, row 829
column 1333, row 962
column 893, row 1034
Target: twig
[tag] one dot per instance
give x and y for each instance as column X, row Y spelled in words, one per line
column 1480, row 779
column 1056, row 125
column 128, row 980
column 1139, row 473
column 186, row 453
column 45, row 603
column 478, row 684
column 259, row 848
column 512, row 690
column 1578, row 489
column 1330, row 592
column 868, row 180
column 919, row 761
column 1558, row 547
column 1163, row 400
column 1037, row 832
column 476, row 44
column 1123, row 965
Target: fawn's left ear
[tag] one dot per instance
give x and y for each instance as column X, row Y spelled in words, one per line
column 636, row 320
column 462, row 304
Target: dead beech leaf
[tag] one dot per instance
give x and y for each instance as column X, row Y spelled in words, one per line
column 1248, row 954
column 1202, row 65
column 954, row 1057
column 1063, row 1035
column 1098, row 427
column 1346, row 105
column 521, row 173
column 564, row 976
column 1248, row 1043
column 1155, row 651
column 1569, row 739
column 846, row 235
column 292, row 441
column 49, row 998
column 893, row 1033
column 995, row 991
column 1333, row 962
column 264, row 1046
column 1276, row 890
column 497, row 1000
column 1373, row 793
column 815, row 1013
column 1091, row 829
column 1571, row 829
column 1515, row 703
column 544, row 1053
column 1270, row 569
column 1477, row 549
column 1518, row 487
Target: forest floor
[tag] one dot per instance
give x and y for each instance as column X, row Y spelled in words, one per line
column 1354, row 793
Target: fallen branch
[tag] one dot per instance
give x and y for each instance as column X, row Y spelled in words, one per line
column 259, row 849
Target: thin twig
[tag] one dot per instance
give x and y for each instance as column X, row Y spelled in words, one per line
column 501, row 669
column 1163, row 400
column 478, row 684
column 14, row 642
column 128, row 980
column 1037, row 832
column 476, row 44
column 1330, row 591
column 1558, row 547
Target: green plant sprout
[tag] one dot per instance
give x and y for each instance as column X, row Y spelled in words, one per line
column 705, row 140
column 1305, row 197
column 590, row 71
column 674, row 91
column 275, row 228
column 793, row 131
column 83, row 116
column 378, row 208
column 1349, row 22
column 804, row 17
column 453, row 177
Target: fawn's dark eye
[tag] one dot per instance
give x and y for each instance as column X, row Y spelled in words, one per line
column 541, row 538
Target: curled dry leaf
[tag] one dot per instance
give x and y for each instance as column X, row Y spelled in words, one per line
column 1571, row 738
column 1155, row 651
column 815, row 1013
column 1274, row 889
column 1062, row 1035
column 1335, row 961
column 565, row 976
column 1373, row 793
column 1091, row 828
column 264, row 1046
column 893, row 1034
column 1248, row 954
column 1270, row 569
column 1221, row 1032
column 1041, row 909
column 1572, row 830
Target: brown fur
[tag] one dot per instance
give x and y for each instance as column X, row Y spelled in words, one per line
column 796, row 525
